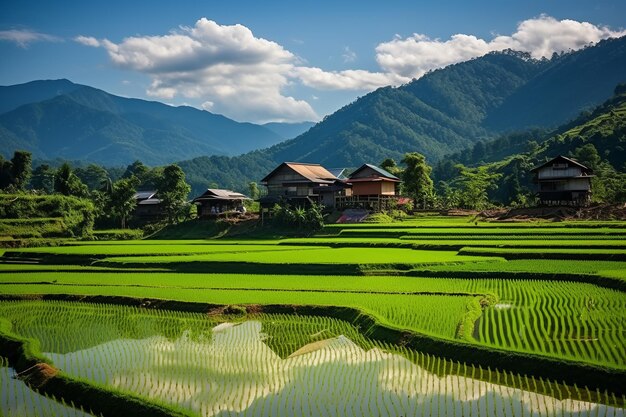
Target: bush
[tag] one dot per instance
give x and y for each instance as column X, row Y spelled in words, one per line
column 303, row 218
column 77, row 214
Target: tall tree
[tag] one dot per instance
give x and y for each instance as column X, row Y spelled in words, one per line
column 417, row 182
column 474, row 185
column 43, row 178
column 21, row 169
column 122, row 200
column 172, row 191
column 67, row 183
column 254, row 190
column 390, row 166
column 93, row 176
column 5, row 173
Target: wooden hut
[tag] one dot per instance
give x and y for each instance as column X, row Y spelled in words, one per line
column 563, row 181
column 372, row 188
column 300, row 184
column 215, row 201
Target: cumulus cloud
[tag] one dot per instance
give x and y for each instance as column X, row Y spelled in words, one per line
column 87, row 41
column 24, row 37
column 541, row 37
column 226, row 66
column 231, row 71
column 346, row 80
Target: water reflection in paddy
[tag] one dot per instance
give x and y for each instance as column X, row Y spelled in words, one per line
column 232, row 371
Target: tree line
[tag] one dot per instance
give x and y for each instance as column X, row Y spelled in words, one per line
column 113, row 200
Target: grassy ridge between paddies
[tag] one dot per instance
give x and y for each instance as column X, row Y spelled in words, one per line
column 457, row 243
column 548, row 253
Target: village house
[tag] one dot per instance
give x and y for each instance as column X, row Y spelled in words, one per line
column 301, row 184
column 372, row 187
column 563, row 181
column 216, row 201
column 148, row 205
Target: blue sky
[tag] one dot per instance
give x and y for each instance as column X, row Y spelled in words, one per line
column 278, row 60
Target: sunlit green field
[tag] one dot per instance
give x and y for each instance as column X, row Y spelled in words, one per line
column 552, row 290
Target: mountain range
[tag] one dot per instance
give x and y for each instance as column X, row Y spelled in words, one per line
column 449, row 110
column 60, row 119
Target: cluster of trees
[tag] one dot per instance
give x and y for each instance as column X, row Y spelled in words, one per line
column 113, row 200
column 466, row 188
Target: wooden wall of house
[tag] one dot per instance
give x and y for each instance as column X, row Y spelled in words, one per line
column 367, row 188
column 552, row 172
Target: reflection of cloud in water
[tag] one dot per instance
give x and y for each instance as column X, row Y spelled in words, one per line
column 234, row 372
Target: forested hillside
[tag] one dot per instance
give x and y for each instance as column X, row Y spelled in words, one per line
column 59, row 119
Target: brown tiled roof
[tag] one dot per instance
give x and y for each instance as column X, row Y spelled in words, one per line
column 312, row 172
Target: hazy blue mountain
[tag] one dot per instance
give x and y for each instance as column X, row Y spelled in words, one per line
column 14, row 96
column 82, row 122
column 289, row 130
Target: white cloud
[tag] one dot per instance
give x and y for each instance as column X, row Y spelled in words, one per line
column 233, row 72
column 87, row 41
column 226, row 67
column 24, row 37
column 346, row 80
column 541, row 37
column 348, row 55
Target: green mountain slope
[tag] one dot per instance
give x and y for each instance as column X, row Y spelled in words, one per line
column 572, row 83
column 79, row 122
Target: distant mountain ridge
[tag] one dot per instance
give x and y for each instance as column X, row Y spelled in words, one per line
column 446, row 111
column 58, row 118
column 449, row 109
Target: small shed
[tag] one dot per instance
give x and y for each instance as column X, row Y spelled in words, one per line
column 563, row 181
column 215, row 201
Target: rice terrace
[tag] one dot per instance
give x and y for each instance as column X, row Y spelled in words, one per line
column 313, row 209
column 359, row 319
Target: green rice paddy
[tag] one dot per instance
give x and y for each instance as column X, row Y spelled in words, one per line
column 537, row 290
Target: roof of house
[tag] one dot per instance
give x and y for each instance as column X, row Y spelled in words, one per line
column 144, row 195
column 379, row 170
column 312, row 172
column 149, row 202
column 220, row 194
column 339, row 172
column 564, row 158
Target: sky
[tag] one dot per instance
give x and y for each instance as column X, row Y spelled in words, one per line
column 262, row 61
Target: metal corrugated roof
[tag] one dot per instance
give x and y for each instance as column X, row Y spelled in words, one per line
column 382, row 172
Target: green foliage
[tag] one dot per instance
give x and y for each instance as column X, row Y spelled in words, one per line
column 121, row 201
column 474, row 185
column 310, row 218
column 67, row 183
column 21, row 169
column 77, row 214
column 253, row 190
column 43, row 179
column 93, row 176
column 173, row 191
column 416, row 179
